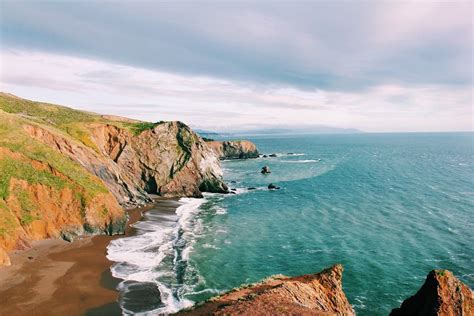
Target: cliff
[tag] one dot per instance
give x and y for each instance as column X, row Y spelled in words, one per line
column 441, row 294
column 312, row 294
column 238, row 149
column 67, row 172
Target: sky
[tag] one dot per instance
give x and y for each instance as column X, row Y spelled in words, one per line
column 377, row 66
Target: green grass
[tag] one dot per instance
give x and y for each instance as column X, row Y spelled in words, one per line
column 25, row 171
column 140, row 127
column 13, row 137
column 47, row 113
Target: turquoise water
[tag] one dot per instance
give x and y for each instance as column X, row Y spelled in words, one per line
column 389, row 207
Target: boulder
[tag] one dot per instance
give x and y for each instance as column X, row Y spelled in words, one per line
column 265, row 170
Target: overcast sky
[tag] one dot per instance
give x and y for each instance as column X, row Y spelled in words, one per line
column 376, row 66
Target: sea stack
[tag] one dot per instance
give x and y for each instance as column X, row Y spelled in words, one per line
column 441, row 294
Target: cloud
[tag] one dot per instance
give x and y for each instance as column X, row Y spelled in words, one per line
column 339, row 45
column 224, row 104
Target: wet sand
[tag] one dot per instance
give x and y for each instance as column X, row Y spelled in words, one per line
column 55, row 277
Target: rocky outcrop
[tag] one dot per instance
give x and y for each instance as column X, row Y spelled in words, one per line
column 241, row 149
column 312, row 294
column 441, row 294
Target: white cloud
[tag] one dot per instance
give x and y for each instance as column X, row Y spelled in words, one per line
column 213, row 103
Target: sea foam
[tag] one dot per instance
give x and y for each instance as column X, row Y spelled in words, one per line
column 162, row 243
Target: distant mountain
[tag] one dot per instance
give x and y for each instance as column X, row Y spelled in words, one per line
column 315, row 129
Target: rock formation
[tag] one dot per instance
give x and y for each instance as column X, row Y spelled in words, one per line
column 241, row 149
column 312, row 294
column 67, row 172
column 441, row 294
column 265, row 170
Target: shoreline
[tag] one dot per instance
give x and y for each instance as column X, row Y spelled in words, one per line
column 55, row 277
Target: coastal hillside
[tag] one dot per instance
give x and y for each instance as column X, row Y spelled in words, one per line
column 66, row 172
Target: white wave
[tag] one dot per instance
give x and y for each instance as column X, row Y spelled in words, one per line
column 281, row 155
column 221, row 211
column 138, row 258
column 302, row 161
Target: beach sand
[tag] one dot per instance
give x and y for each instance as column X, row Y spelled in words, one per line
column 55, row 277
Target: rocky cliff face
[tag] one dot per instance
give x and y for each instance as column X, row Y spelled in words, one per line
column 241, row 149
column 441, row 294
column 313, row 294
column 168, row 159
column 68, row 172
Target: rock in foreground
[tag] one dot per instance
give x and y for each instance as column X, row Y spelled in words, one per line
column 441, row 294
column 241, row 149
column 312, row 294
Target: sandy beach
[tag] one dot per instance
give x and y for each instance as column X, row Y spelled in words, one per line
column 55, row 277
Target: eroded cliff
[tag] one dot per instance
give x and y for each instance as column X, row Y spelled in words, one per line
column 66, row 172
column 312, row 294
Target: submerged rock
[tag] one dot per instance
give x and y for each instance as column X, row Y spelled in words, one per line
column 271, row 186
column 265, row 170
column 441, row 294
column 251, row 188
column 312, row 294
column 272, row 155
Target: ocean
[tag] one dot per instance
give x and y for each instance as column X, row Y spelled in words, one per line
column 389, row 207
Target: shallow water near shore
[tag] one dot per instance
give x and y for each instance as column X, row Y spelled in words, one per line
column 389, row 207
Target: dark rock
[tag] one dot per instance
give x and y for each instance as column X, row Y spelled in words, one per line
column 272, row 155
column 271, row 186
column 213, row 185
column 251, row 188
column 30, row 258
column 233, row 189
column 232, row 192
column 233, row 181
column 265, row 170
column 265, row 156
column 290, row 153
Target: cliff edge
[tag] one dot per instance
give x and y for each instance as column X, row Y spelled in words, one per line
column 441, row 294
column 312, row 294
